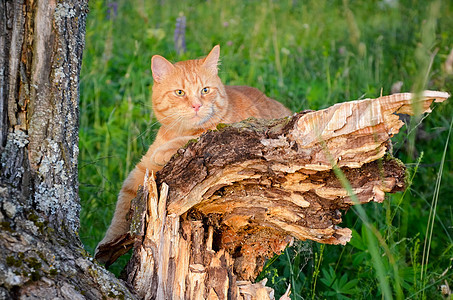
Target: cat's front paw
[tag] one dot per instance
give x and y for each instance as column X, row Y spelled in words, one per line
column 160, row 158
column 163, row 153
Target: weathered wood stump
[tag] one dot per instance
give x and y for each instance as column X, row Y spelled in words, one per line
column 228, row 201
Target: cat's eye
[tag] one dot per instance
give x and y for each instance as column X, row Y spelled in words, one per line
column 179, row 93
column 204, row 91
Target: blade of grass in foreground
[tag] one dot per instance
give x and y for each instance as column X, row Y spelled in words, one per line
column 432, row 216
column 409, row 184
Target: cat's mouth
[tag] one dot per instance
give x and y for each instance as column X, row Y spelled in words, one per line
column 206, row 118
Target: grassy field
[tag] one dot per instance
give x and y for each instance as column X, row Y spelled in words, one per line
column 308, row 55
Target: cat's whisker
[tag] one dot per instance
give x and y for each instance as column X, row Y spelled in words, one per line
column 173, row 115
column 180, row 131
column 175, row 123
column 141, row 134
column 167, row 129
column 150, row 127
column 167, row 117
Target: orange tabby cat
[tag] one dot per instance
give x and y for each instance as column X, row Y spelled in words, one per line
column 188, row 99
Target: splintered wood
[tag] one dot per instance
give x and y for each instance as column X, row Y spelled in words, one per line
column 241, row 193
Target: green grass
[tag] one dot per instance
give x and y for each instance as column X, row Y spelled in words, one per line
column 308, row 55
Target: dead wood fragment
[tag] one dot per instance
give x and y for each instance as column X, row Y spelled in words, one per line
column 240, row 194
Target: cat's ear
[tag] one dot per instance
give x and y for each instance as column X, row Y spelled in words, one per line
column 160, row 67
column 211, row 61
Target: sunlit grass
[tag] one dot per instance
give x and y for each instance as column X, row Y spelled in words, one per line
column 308, row 55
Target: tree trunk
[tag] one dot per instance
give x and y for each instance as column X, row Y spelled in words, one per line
column 41, row 256
column 227, row 202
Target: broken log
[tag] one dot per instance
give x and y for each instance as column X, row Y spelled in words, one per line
column 225, row 203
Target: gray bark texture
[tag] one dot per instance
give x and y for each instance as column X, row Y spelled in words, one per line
column 41, row 256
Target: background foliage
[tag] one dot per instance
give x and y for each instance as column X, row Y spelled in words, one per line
column 306, row 54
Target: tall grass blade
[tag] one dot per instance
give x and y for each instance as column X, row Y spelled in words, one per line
column 432, row 215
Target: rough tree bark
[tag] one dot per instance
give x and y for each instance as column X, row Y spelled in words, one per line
column 41, row 256
column 225, row 203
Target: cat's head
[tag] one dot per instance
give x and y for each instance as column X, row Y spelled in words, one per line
column 188, row 94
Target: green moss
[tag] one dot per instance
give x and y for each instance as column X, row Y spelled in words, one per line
column 13, row 262
column 50, row 230
column 42, row 256
column 32, row 217
column 41, row 226
column 34, row 263
column 35, row 276
column 6, row 226
column 85, row 253
column 36, row 220
column 53, row 272
column 92, row 272
column 10, row 260
column 191, row 141
column 220, row 126
column 112, row 295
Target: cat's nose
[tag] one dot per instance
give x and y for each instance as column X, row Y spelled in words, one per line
column 196, row 106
